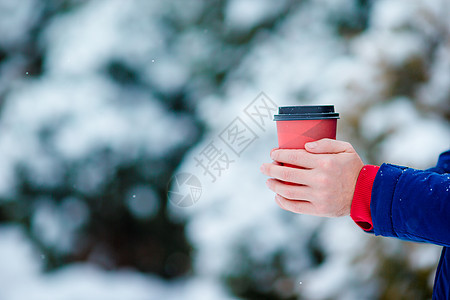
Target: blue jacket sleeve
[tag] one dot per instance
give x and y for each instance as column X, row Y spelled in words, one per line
column 412, row 204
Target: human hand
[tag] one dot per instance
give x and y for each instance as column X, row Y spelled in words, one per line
column 323, row 181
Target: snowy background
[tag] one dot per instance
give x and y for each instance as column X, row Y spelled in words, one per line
column 103, row 102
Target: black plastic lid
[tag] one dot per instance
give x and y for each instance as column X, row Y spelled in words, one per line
column 306, row 112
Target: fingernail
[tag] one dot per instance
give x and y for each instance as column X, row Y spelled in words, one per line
column 271, row 154
column 268, row 183
column 262, row 168
column 277, row 198
column 311, row 145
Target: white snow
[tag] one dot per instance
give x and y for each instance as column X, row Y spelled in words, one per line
column 245, row 14
column 90, row 114
column 22, row 278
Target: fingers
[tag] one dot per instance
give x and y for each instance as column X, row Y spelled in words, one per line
column 297, row 157
column 296, row 206
column 289, row 191
column 284, row 173
column 328, row 146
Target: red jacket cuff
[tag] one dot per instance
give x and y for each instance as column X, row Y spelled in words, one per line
column 360, row 210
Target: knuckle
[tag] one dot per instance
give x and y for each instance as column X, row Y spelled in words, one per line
column 292, row 156
column 348, row 146
column 289, row 193
column 326, row 163
column 323, row 181
column 287, row 174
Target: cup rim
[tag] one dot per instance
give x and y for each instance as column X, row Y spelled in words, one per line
column 297, row 117
column 306, row 112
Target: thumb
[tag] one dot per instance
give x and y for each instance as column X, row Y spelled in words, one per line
column 328, row 146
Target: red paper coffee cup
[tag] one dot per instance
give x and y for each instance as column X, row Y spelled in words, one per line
column 298, row 125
